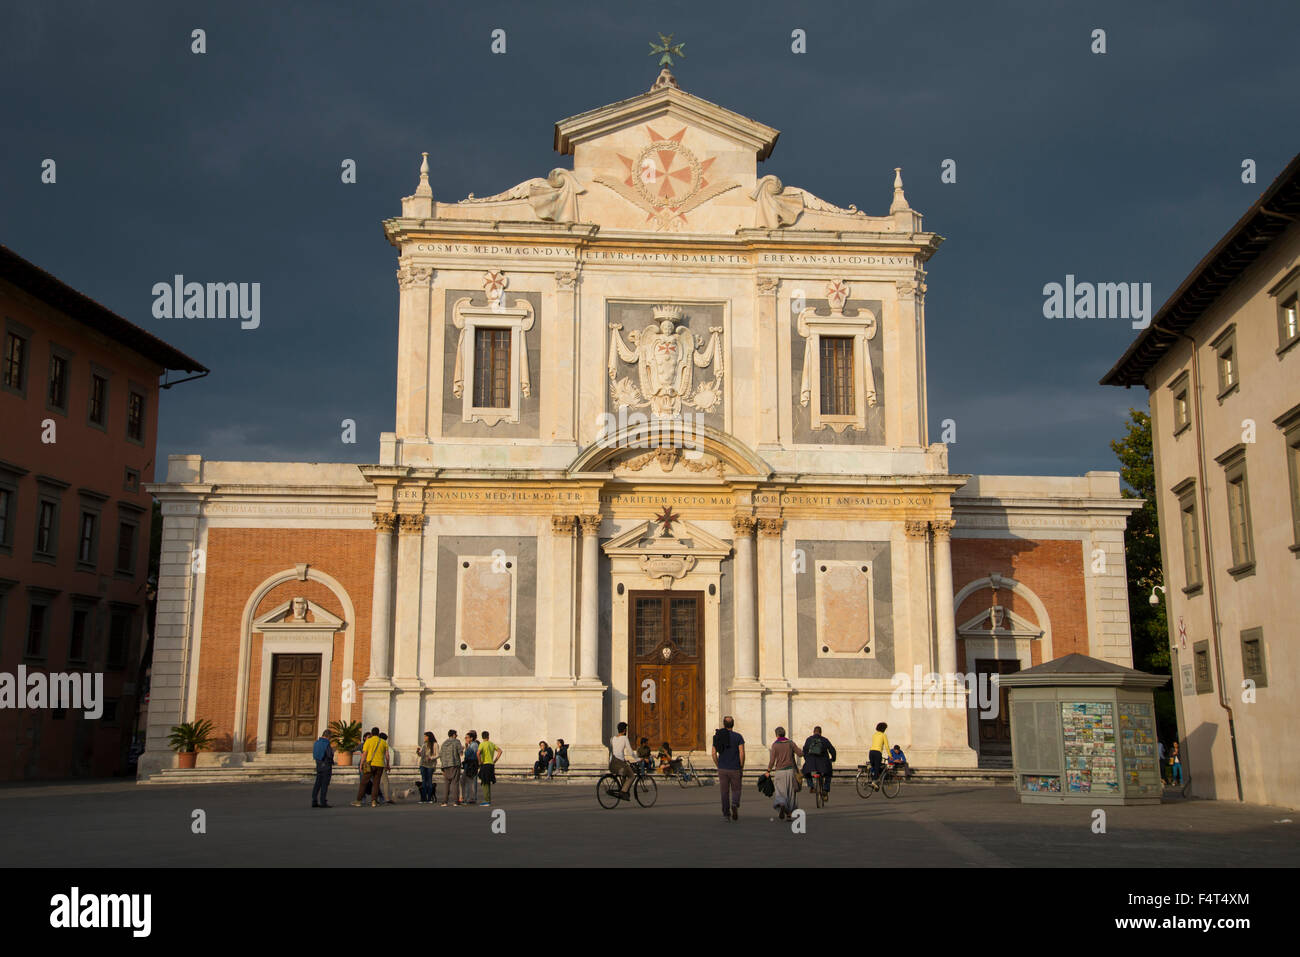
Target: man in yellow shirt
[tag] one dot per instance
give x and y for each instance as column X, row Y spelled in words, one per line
column 879, row 748
column 374, row 758
column 488, row 753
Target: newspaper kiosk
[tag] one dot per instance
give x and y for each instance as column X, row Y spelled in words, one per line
column 1083, row 731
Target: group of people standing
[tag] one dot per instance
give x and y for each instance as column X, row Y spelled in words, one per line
column 468, row 768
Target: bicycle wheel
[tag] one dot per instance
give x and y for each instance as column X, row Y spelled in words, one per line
column 607, row 791
column 891, row 784
column 820, row 794
column 863, row 783
column 646, row 791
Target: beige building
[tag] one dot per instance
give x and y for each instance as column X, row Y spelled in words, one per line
column 660, row 453
column 1222, row 364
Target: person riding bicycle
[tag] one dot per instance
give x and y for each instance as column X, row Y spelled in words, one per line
column 879, row 748
column 818, row 755
column 622, row 757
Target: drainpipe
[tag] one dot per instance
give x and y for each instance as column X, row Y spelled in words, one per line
column 1209, row 563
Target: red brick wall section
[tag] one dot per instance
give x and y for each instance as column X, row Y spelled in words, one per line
column 238, row 561
column 1052, row 570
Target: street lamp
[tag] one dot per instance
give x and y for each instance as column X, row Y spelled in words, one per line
column 1153, row 599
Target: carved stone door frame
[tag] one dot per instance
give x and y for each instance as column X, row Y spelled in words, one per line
column 690, row 560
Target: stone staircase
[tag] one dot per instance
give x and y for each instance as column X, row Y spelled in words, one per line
column 298, row 769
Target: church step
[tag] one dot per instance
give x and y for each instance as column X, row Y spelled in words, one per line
column 578, row 775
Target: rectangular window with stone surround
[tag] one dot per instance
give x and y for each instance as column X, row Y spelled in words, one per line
column 1240, row 534
column 491, row 368
column 1191, row 535
column 837, row 375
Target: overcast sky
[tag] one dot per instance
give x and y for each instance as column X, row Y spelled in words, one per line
column 1122, row 167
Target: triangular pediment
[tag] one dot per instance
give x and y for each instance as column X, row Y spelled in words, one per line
column 1010, row 625
column 686, row 539
column 665, row 103
column 283, row 618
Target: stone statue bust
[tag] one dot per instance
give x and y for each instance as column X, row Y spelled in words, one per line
column 299, row 607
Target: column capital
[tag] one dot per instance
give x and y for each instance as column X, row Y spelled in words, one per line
column 411, row 524
column 411, row 276
column 767, row 285
column 562, row 525
column 385, row 521
column 743, row 524
column 565, row 280
column 770, row 527
column 942, row 529
column 915, row 529
column 590, row 524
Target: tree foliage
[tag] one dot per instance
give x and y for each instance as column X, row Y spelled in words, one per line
column 1150, row 628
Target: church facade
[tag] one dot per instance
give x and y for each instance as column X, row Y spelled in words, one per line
column 660, row 454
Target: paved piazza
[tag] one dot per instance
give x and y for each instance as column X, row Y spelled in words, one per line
column 121, row 824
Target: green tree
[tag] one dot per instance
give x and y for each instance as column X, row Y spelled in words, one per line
column 1148, row 623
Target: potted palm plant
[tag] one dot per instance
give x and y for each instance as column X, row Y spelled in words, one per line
column 346, row 736
column 188, row 739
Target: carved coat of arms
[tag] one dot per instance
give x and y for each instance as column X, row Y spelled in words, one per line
column 666, row 355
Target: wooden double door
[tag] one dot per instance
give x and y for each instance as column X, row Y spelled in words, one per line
column 666, row 647
column 295, row 702
column 995, row 732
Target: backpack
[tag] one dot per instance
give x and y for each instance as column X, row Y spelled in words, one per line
column 721, row 740
column 816, row 746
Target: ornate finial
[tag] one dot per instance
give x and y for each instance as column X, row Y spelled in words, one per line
column 900, row 201
column 423, row 189
column 672, row 313
column 668, row 49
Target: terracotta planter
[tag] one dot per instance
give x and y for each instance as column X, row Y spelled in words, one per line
column 343, row 758
column 186, row 759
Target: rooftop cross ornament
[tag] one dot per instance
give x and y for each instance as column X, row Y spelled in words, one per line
column 668, row 49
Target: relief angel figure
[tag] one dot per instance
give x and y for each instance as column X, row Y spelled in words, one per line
column 666, row 356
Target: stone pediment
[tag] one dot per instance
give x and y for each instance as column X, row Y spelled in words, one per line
column 665, row 160
column 666, row 558
column 999, row 622
column 660, row 102
column 284, row 618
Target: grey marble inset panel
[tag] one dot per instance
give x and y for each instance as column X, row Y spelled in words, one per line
column 446, row 663
column 529, row 424
column 882, row 665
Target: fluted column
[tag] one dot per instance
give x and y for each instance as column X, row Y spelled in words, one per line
column 766, row 355
column 746, row 632
column 406, row 613
column 919, row 589
column 381, row 613
column 945, row 614
column 590, row 621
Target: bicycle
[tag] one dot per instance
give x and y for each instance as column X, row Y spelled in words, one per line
column 609, row 789
column 818, row 791
column 683, row 771
column 889, row 783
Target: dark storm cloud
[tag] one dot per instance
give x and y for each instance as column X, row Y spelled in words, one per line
column 225, row 167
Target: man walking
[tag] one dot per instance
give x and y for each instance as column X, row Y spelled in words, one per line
column 449, row 756
column 324, row 757
column 728, row 755
column 374, row 759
